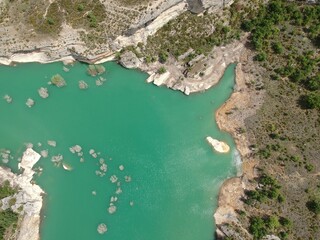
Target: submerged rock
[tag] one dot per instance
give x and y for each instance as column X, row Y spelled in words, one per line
column 75, row 149
column 127, row 178
column 5, row 155
column 7, row 98
column 102, row 228
column 121, row 167
column 93, row 153
column 52, row 143
column 83, row 85
column 112, row 209
column 43, row 92
column 94, row 70
column 113, row 178
column 44, row 153
column 57, row 158
column 28, row 145
column 113, row 199
column 30, row 102
column 221, row 147
column 104, row 167
column 100, row 81
column 118, row 191
column 58, row 81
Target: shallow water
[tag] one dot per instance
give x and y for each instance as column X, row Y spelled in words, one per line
column 157, row 134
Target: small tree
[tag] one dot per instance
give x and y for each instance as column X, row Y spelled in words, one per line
column 314, row 205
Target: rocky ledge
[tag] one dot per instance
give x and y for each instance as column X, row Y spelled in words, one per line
column 28, row 198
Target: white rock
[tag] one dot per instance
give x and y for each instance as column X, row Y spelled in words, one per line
column 43, row 92
column 102, row 228
column 113, row 178
column 30, row 102
column 44, row 153
column 7, row 98
column 221, row 147
column 112, row 209
column 52, row 143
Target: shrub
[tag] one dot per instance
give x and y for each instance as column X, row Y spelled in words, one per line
column 163, row 56
column 277, row 48
column 312, row 100
column 309, row 167
column 161, row 70
column 257, row 227
column 314, row 205
column 6, row 190
column 262, row 56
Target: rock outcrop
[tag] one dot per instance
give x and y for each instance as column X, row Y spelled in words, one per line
column 29, row 197
column 219, row 146
column 129, row 60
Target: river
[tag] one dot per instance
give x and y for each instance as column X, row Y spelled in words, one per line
column 152, row 140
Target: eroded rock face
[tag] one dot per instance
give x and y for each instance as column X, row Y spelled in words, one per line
column 195, row 6
column 216, row 3
column 130, row 60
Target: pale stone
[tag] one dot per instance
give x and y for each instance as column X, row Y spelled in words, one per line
column 102, row 228
column 221, row 147
column 52, row 143
column 112, row 209
column 43, row 92
column 30, row 102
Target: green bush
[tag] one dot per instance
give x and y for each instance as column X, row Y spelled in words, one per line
column 6, row 190
column 262, row 56
column 161, row 70
column 8, row 218
column 257, row 227
column 312, row 100
column 314, row 205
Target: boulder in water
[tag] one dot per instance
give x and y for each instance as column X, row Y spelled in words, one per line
column 44, row 153
column 102, row 228
column 43, row 92
column 83, row 85
column 7, row 98
column 58, row 80
column 52, row 143
column 219, row 146
column 30, row 102
column 112, row 209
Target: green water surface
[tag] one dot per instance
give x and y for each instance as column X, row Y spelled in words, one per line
column 157, row 134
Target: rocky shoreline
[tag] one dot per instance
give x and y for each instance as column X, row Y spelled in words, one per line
column 28, row 199
column 230, row 117
column 243, row 103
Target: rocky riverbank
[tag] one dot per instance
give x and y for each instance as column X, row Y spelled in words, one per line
column 243, row 103
column 28, row 199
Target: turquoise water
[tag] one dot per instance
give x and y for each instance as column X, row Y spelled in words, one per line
column 157, row 134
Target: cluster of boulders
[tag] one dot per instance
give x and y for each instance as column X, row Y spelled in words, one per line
column 5, row 155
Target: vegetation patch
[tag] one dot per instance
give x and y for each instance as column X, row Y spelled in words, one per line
column 8, row 218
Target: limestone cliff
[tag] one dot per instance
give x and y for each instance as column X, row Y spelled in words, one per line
column 52, row 30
